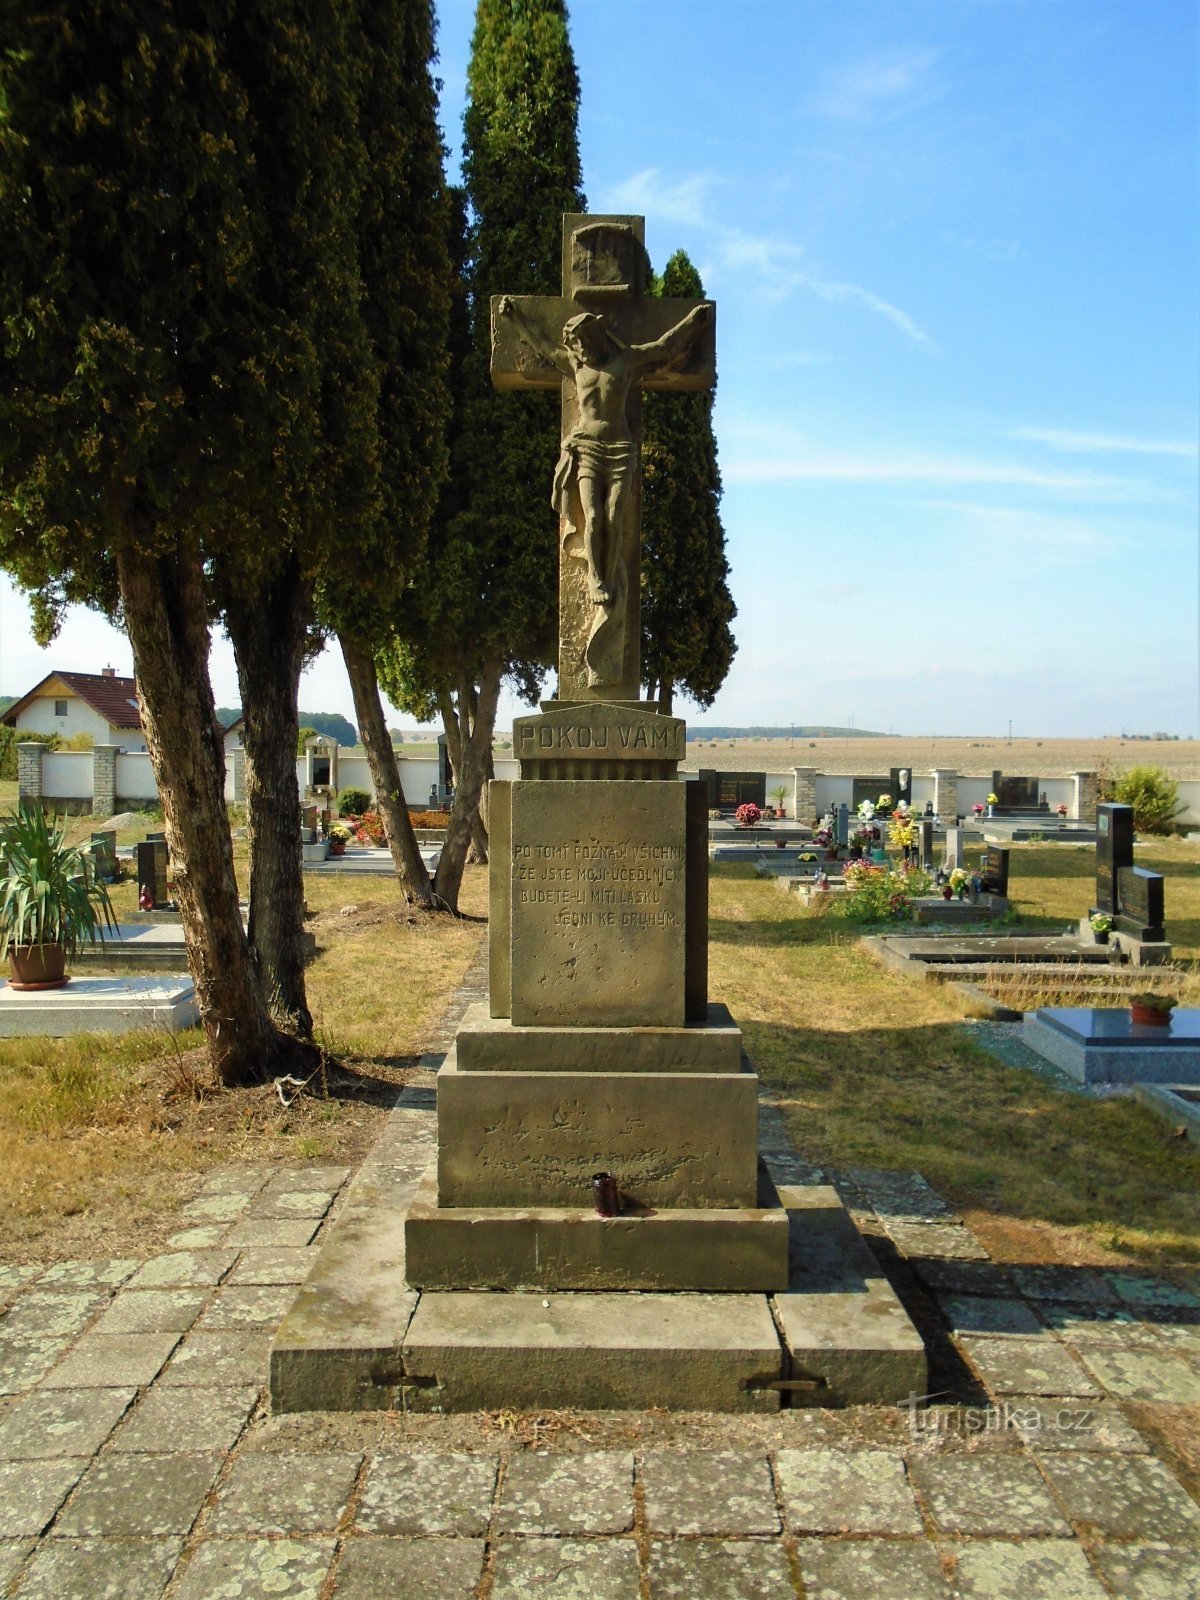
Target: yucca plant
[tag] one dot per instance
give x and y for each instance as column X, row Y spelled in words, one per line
column 49, row 893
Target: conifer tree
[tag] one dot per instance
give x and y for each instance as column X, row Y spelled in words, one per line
column 687, row 610
column 487, row 606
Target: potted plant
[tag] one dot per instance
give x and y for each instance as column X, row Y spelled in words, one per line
column 1150, row 1009
column 779, row 795
column 1062, row 810
column 992, row 802
column 1101, row 925
column 50, row 900
column 339, row 838
column 747, row 814
column 977, row 808
column 959, row 879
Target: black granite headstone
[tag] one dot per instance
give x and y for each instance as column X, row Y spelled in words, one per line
column 729, row 790
column 1016, row 794
column 995, row 870
column 870, row 789
column 925, row 844
column 841, row 826
column 1114, row 850
column 152, row 870
column 1140, row 904
column 104, row 856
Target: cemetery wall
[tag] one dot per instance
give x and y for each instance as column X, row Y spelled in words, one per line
column 69, row 776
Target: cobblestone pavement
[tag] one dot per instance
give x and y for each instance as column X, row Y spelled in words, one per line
column 138, row 1459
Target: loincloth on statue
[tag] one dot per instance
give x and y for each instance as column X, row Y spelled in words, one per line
column 615, row 461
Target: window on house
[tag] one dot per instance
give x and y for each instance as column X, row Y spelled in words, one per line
column 60, row 708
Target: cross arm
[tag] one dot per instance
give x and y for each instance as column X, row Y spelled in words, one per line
column 526, row 331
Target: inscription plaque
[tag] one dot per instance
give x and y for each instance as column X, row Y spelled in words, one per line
column 598, row 903
column 995, row 870
column 729, row 790
column 870, row 789
column 1140, row 903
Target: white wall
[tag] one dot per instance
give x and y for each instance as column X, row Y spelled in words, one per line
column 134, row 777
column 67, row 774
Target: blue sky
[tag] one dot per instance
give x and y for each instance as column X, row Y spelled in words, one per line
column 954, row 253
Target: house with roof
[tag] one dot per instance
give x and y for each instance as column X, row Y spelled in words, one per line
column 99, row 704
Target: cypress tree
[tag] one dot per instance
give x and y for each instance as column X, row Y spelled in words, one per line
column 487, row 606
column 687, row 610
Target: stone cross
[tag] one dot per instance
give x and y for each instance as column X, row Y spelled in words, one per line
column 601, row 342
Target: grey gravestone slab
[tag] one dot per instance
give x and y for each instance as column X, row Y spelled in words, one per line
column 101, row 1569
column 1099, row 1045
column 988, row 1493
column 1145, row 1375
column 566, row 1569
column 708, row 1492
column 226, row 1357
column 104, row 1361
column 32, row 1491
column 837, row 1570
column 685, row 1569
column 139, row 1495
column 62, row 1423
column 187, row 1419
column 1141, row 1572
column 419, row 1493
column 294, row 1205
column 1123, row 1497
column 275, row 1492
column 99, row 1005
column 184, row 1268
column 247, row 1569
column 1029, row 1366
column 1035, row 1569
column 854, row 1491
column 562, row 1495
column 950, row 1241
column 153, row 1311
column 409, row 1569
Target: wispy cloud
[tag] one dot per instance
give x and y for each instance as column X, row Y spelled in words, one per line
column 853, row 293
column 648, row 193
column 1079, row 443
column 879, row 86
column 807, row 465
column 1019, row 525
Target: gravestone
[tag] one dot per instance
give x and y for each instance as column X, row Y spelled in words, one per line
column 152, row 870
column 598, row 1079
column 841, row 826
column 1016, row 793
column 1140, row 904
column 445, row 788
column 900, row 785
column 1114, row 850
column 956, row 848
column 869, row 789
column 925, row 844
column 726, row 791
column 995, row 870
column 104, row 855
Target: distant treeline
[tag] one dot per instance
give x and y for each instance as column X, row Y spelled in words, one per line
column 792, row 731
column 331, row 723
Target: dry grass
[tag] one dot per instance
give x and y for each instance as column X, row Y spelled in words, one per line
column 108, row 1134
column 1039, row 758
column 876, row 1069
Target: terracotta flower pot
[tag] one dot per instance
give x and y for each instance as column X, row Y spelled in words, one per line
column 37, row 966
column 337, row 847
column 1148, row 1018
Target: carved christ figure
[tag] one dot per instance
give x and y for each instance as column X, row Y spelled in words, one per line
column 600, row 456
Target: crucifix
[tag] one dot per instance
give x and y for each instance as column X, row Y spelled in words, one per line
column 601, row 342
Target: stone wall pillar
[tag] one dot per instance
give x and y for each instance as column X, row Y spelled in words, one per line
column 29, row 770
column 804, row 793
column 104, row 779
column 1087, row 796
column 237, row 765
column 945, row 793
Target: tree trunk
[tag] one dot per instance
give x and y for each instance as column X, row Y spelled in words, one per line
column 389, row 792
column 164, row 605
column 473, row 721
column 268, row 644
column 666, row 697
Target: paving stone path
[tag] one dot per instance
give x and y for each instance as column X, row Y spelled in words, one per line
column 138, row 1458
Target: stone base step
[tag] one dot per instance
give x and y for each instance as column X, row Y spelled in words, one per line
column 476, row 1247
